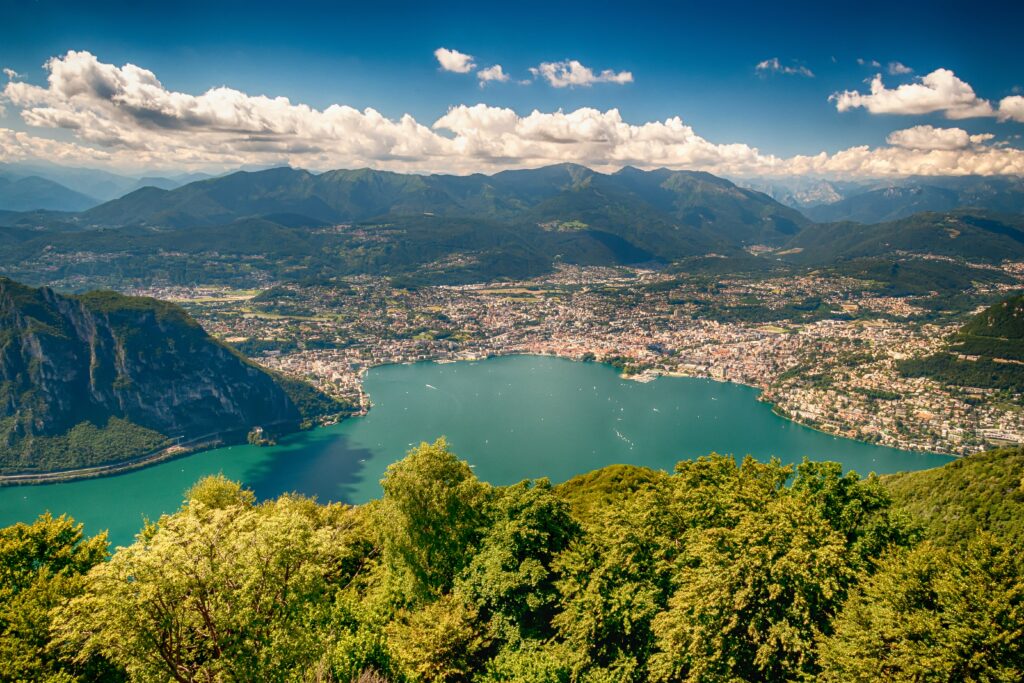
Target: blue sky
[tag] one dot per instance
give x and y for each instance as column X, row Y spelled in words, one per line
column 696, row 61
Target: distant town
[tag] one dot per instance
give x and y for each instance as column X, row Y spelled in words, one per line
column 823, row 350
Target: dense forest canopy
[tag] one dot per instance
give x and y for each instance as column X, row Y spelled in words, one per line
column 719, row 571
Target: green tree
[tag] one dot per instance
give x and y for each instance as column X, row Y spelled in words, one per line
column 755, row 599
column 431, row 518
column 934, row 614
column 437, row 643
column 510, row 579
column 42, row 567
column 221, row 590
column 859, row 509
column 613, row 583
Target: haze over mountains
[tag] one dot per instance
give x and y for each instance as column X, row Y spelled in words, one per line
column 32, row 192
column 49, row 187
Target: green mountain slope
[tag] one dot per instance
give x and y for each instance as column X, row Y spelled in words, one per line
column 997, row 332
column 974, row 235
column 980, row 492
column 987, row 352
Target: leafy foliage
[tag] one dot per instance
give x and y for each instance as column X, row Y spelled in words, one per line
column 720, row 571
column 979, row 493
column 222, row 589
column 934, row 614
column 42, row 566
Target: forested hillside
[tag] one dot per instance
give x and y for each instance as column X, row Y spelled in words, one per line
column 987, row 352
column 717, row 572
column 99, row 378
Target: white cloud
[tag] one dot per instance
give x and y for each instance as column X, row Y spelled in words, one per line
column 124, row 118
column 930, row 137
column 12, row 74
column 939, row 91
column 873, row 63
column 773, row 65
column 899, row 69
column 455, row 61
column 569, row 73
column 1012, row 109
column 492, row 73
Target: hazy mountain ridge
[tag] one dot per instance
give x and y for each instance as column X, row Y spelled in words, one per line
column 31, row 193
column 1001, row 194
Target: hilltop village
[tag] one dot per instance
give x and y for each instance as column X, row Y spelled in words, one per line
column 823, row 350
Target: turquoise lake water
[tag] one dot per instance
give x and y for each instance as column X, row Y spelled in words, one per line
column 512, row 418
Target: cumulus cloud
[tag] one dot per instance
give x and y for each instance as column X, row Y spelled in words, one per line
column 899, row 69
column 12, row 74
column 1012, row 109
column 930, row 137
column 939, row 91
column 492, row 73
column 570, row 73
column 455, row 61
column 774, row 66
column 124, row 117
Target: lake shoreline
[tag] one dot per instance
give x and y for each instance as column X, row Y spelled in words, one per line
column 650, row 375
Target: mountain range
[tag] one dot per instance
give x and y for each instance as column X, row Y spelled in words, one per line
column 1001, row 194
column 442, row 228
column 293, row 224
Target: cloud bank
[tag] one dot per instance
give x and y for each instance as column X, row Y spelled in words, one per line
column 123, row 117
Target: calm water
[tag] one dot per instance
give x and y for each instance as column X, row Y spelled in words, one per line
column 512, row 418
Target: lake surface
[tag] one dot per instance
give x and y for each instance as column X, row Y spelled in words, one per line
column 512, row 418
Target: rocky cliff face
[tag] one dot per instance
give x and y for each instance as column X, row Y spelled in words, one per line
column 68, row 360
